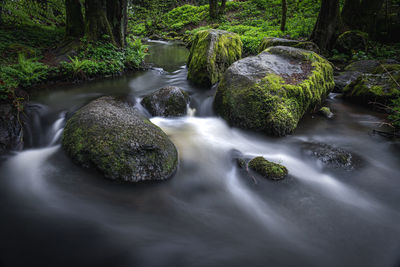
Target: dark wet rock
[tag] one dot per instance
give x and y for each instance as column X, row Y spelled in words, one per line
column 273, row 41
column 167, row 102
column 11, row 131
column 270, row 92
column 116, row 139
column 330, row 156
column 351, row 41
column 343, row 79
column 212, row 52
column 268, row 169
column 363, row 66
column 326, row 112
column 379, row 86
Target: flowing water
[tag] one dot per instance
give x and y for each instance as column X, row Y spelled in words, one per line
column 54, row 213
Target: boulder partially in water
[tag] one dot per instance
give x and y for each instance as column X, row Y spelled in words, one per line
column 212, row 52
column 268, row 169
column 380, row 86
column 167, row 102
column 11, row 133
column 326, row 112
column 268, row 42
column 116, row 139
column 272, row 91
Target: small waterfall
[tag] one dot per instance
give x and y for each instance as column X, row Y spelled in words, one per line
column 57, row 129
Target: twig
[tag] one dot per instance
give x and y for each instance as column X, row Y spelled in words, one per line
column 390, row 75
column 386, row 134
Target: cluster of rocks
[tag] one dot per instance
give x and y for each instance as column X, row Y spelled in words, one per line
column 268, row 93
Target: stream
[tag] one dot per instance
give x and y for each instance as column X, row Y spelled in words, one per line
column 54, row 213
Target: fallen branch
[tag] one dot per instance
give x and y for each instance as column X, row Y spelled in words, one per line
column 386, row 134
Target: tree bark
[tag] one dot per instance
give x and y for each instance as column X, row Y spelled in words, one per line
column 97, row 25
column 74, row 19
column 324, row 33
column 1, row 12
column 222, row 7
column 351, row 13
column 117, row 15
column 284, row 11
column 213, row 8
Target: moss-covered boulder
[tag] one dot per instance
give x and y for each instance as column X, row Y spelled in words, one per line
column 272, row 91
column 167, row 102
column 342, row 79
column 268, row 169
column 268, row 42
column 113, row 137
column 380, row 86
column 363, row 66
column 351, row 41
column 212, row 52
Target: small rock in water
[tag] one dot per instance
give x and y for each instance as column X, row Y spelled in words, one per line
column 267, row 169
column 170, row 101
column 326, row 112
column 330, row 156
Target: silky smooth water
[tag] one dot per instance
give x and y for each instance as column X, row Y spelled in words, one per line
column 54, row 213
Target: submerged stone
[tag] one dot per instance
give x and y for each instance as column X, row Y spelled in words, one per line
column 212, row 52
column 267, row 169
column 169, row 101
column 328, row 155
column 273, row 41
column 272, row 91
column 326, row 112
column 113, row 137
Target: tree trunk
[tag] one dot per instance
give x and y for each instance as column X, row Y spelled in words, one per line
column 117, row 15
column 222, row 7
column 97, row 26
column 74, row 19
column 284, row 11
column 213, row 8
column 1, row 12
column 324, row 33
column 351, row 14
column 361, row 15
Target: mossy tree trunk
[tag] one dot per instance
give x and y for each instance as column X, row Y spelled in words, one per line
column 117, row 15
column 325, row 29
column 106, row 18
column 74, row 19
column 97, row 26
column 284, row 11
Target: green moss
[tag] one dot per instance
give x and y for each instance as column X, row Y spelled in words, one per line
column 268, row 169
column 273, row 105
column 211, row 54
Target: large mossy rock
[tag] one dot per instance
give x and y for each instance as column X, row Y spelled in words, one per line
column 116, row 139
column 272, row 91
column 212, row 52
column 351, row 41
column 379, row 86
column 268, row 42
column 169, row 101
column 11, row 133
